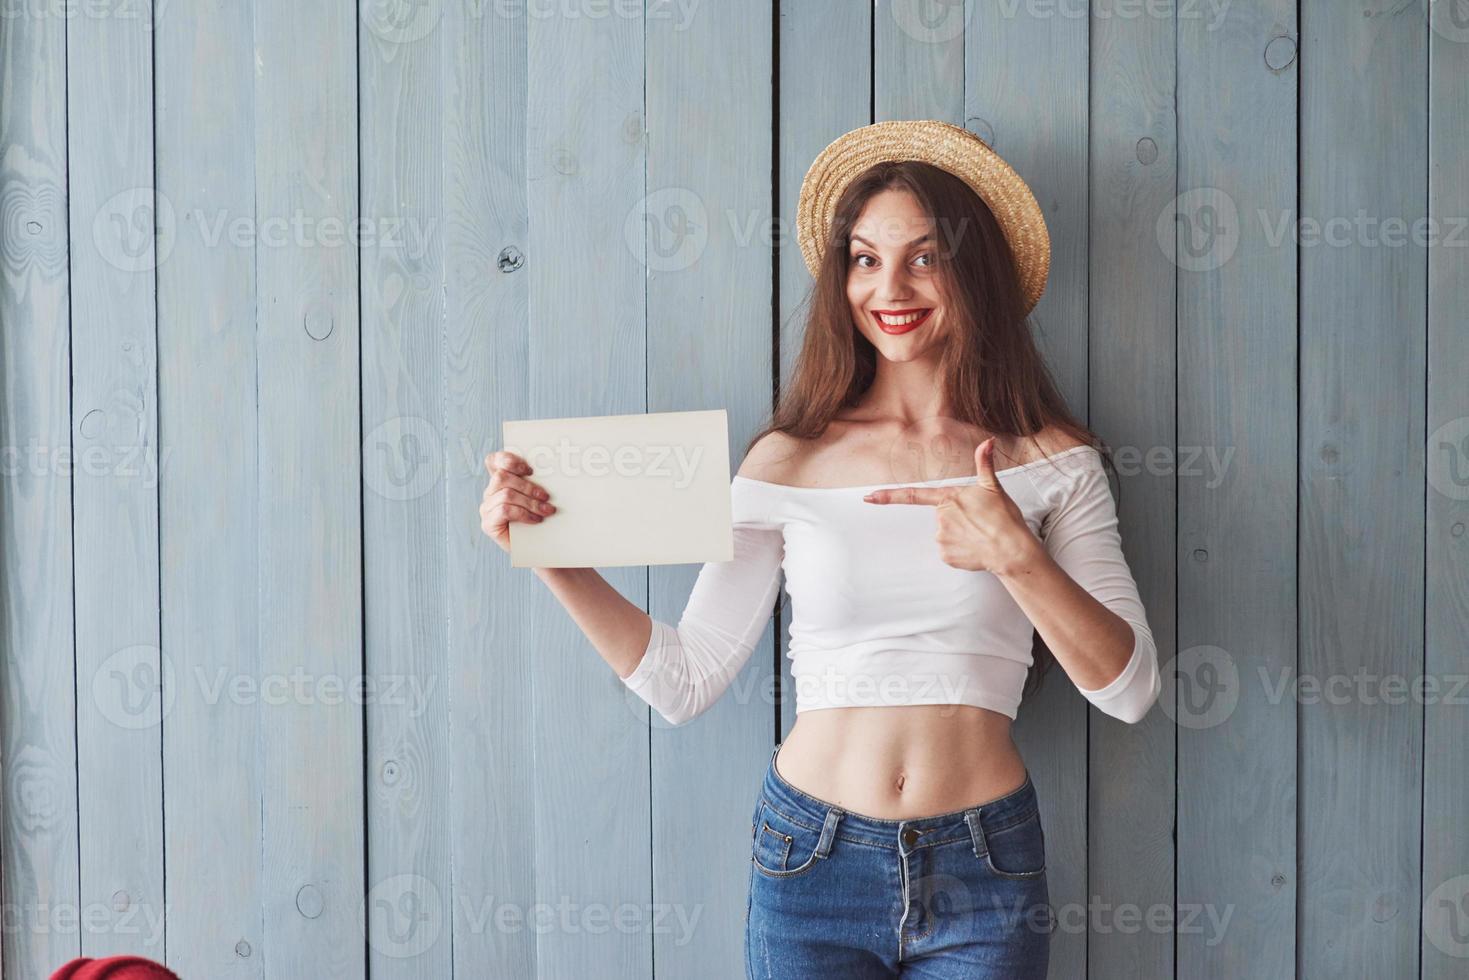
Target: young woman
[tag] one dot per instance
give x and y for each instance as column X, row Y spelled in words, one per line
column 897, row 831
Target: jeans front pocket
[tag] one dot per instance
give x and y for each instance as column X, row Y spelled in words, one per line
column 782, row 846
column 1018, row 849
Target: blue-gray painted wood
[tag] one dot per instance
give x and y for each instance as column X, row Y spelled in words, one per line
column 321, row 413
column 39, row 862
column 492, row 659
column 1364, row 137
column 1236, row 562
column 918, row 60
column 409, row 883
column 1132, row 402
column 1445, row 887
column 1025, row 85
column 705, row 244
column 586, row 153
column 208, row 499
column 114, row 497
column 310, row 479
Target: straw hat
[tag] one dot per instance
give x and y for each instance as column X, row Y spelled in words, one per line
column 948, row 147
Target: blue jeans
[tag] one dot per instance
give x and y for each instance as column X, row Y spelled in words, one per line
column 839, row 894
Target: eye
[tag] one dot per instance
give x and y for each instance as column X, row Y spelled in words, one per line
column 924, row 260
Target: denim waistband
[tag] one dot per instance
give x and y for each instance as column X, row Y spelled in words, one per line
column 912, row 832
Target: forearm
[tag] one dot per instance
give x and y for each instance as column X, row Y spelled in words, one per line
column 617, row 629
column 1091, row 642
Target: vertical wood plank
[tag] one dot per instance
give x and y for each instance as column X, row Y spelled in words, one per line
column 1237, row 296
column 115, row 484
column 486, row 380
column 705, row 243
column 918, row 59
column 1025, row 86
column 401, row 115
column 825, row 85
column 39, row 849
column 1133, row 401
column 1445, row 946
column 586, row 153
column 1364, row 129
column 208, row 497
column 310, row 488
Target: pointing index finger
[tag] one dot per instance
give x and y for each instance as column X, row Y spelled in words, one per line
column 907, row 495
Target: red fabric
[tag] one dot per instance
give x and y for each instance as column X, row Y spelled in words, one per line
column 114, row 968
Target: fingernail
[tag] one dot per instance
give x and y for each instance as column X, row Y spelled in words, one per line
column 547, row 508
column 869, row 497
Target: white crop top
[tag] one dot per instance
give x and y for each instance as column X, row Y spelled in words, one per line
column 879, row 618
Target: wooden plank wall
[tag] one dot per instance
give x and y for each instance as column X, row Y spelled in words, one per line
column 1236, row 518
column 401, row 94
column 208, row 365
column 1132, row 401
column 1445, row 882
column 310, row 540
column 1363, row 308
column 114, row 393
column 273, row 274
column 39, row 858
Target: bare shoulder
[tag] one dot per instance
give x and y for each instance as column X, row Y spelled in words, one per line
column 1052, row 440
column 772, row 458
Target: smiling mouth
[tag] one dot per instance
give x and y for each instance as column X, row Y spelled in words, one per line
column 900, row 321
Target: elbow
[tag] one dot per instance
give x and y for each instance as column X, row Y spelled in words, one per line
column 688, row 701
column 676, row 705
column 663, row 681
column 678, row 717
column 676, row 710
column 1136, row 709
column 1131, row 694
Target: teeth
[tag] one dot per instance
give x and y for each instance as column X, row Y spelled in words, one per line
column 898, row 321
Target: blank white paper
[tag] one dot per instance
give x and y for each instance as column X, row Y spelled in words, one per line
column 649, row 489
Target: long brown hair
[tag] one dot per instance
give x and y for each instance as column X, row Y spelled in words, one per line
column 993, row 374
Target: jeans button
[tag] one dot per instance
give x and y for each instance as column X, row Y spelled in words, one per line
column 910, row 837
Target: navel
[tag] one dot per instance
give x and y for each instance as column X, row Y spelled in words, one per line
column 901, row 778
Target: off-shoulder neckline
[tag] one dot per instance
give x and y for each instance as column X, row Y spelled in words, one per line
column 919, row 483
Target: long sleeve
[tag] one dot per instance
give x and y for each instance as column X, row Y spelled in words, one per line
column 686, row 669
column 1081, row 536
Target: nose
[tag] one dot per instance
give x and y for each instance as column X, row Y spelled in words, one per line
column 894, row 287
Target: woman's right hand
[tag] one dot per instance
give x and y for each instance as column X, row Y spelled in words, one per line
column 510, row 497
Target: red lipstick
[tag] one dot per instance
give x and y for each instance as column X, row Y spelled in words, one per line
column 921, row 318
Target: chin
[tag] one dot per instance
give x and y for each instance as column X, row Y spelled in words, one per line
column 901, row 354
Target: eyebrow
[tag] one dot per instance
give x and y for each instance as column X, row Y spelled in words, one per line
column 925, row 237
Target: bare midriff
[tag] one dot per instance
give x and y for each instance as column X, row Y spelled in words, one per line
column 899, row 763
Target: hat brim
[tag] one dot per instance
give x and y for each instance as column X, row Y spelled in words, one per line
column 944, row 145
